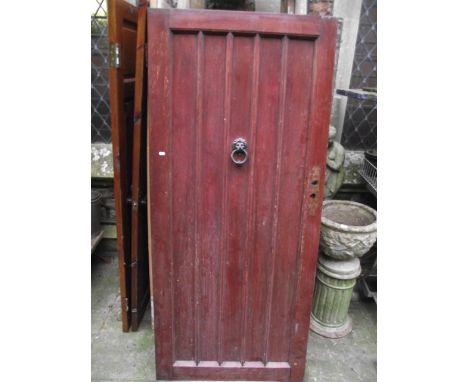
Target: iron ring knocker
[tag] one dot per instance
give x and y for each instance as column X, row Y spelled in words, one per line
column 239, row 146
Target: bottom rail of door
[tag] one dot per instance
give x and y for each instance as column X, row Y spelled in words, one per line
column 250, row 371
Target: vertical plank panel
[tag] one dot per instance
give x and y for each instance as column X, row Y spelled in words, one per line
column 160, row 187
column 265, row 165
column 198, row 182
column 291, row 191
column 320, row 107
column 237, row 191
column 224, row 209
column 251, row 201
column 275, row 206
column 183, row 159
column 211, row 184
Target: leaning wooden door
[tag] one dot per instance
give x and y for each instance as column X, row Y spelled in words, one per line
column 234, row 245
column 122, row 48
column 139, row 285
column 126, row 67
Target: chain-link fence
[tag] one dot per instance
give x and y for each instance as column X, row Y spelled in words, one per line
column 360, row 124
column 100, row 108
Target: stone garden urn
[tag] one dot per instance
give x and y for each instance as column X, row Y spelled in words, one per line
column 348, row 231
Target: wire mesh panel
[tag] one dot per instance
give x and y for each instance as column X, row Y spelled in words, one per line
column 100, row 109
column 360, row 125
column 369, row 172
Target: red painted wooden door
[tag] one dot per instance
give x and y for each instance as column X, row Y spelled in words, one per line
column 234, row 247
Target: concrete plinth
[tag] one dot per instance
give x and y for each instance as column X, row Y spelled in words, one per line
column 333, row 291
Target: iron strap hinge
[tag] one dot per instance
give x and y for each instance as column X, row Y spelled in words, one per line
column 146, row 55
column 114, row 55
column 135, row 203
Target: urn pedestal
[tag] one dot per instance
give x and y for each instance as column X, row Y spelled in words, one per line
column 348, row 231
column 333, row 290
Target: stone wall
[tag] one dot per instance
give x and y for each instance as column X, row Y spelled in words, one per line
column 258, row 5
column 321, row 7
